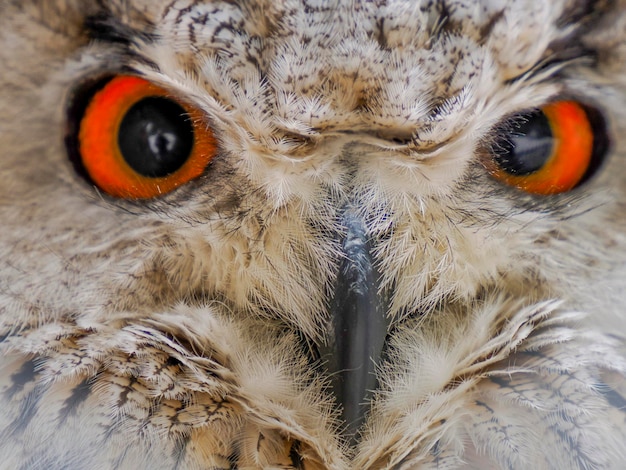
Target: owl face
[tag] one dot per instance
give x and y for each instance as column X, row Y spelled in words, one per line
column 290, row 209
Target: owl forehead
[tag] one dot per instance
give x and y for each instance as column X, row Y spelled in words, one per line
column 397, row 64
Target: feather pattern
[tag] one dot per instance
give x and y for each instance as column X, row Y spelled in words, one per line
column 183, row 331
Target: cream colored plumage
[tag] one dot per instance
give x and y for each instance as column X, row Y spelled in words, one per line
column 182, row 331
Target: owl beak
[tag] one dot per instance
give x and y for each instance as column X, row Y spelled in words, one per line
column 358, row 327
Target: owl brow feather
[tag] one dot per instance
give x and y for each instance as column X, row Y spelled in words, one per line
column 107, row 28
column 571, row 48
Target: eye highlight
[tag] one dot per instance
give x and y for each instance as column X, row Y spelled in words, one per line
column 551, row 150
column 135, row 141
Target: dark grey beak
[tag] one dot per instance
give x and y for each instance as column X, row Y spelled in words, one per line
column 358, row 327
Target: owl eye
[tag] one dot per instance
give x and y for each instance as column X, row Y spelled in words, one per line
column 134, row 140
column 551, row 150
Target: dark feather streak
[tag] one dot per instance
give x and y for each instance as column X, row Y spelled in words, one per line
column 107, row 28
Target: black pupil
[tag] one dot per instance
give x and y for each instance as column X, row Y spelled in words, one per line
column 528, row 147
column 156, row 137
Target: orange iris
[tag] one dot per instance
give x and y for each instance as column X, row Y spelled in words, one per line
column 110, row 163
column 571, row 154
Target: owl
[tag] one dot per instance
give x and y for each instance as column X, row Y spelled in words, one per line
column 312, row 234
